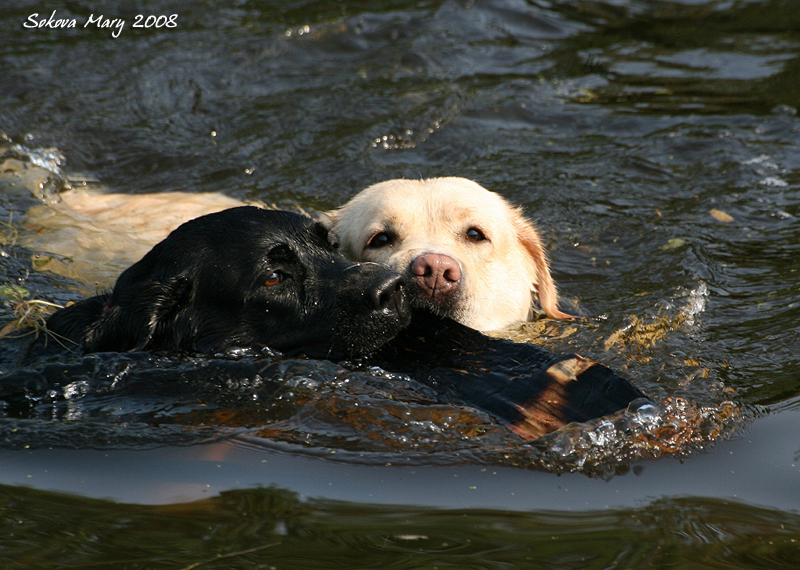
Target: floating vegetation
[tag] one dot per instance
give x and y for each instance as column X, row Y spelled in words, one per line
column 643, row 333
column 27, row 312
column 8, row 233
column 721, row 216
column 673, row 243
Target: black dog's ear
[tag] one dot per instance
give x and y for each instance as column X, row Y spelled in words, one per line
column 143, row 318
column 325, row 223
column 69, row 325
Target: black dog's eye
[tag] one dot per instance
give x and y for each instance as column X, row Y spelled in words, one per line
column 381, row 239
column 474, row 234
column 274, row 278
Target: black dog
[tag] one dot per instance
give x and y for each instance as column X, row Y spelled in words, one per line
column 532, row 391
column 243, row 277
column 248, row 276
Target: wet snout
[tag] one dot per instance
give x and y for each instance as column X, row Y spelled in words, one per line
column 386, row 293
column 437, row 274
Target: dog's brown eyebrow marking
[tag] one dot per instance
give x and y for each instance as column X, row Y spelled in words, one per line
column 546, row 412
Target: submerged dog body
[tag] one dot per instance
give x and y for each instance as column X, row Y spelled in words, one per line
column 472, row 255
column 241, row 277
column 248, row 276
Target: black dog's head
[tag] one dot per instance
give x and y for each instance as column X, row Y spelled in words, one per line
column 242, row 277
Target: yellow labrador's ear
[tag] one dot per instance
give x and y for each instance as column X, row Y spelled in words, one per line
column 327, row 219
column 544, row 285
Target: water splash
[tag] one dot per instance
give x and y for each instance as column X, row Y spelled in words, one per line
column 604, row 447
column 365, row 415
column 40, row 170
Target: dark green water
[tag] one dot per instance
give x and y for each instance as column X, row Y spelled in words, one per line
column 624, row 128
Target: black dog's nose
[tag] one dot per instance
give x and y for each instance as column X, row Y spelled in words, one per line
column 387, row 293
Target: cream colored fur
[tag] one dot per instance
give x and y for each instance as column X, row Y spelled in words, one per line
column 96, row 235
column 501, row 276
column 102, row 234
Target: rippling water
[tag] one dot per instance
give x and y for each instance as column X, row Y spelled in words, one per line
column 656, row 145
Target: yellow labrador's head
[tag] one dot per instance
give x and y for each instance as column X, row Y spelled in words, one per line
column 474, row 257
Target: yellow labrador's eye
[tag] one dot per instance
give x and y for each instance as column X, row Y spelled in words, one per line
column 380, row 239
column 476, row 235
column 274, row 278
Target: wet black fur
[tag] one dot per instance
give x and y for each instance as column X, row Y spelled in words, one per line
column 204, row 288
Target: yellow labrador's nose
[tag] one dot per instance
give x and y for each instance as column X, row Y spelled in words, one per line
column 436, row 273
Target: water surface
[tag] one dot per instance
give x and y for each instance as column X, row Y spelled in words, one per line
column 655, row 144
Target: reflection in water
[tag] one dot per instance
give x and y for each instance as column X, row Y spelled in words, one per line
column 272, row 528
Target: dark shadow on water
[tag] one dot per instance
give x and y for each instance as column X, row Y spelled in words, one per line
column 273, row 528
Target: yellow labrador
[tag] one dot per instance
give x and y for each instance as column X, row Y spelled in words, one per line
column 100, row 235
column 473, row 256
column 87, row 233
